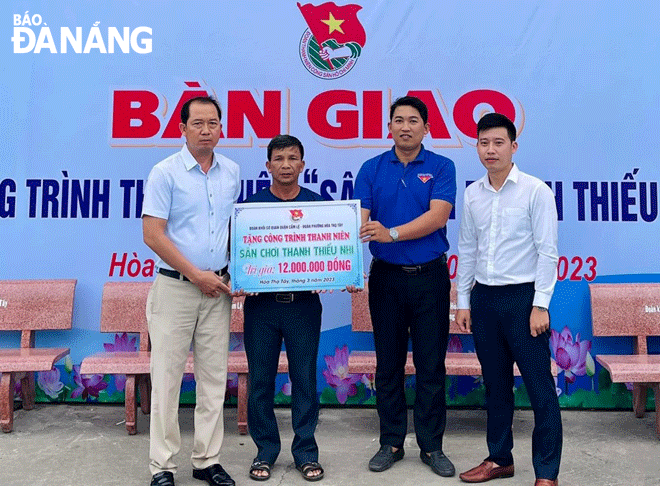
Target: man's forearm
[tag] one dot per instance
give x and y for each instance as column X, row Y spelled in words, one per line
column 170, row 254
column 426, row 223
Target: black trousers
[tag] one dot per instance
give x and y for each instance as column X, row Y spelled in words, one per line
column 298, row 323
column 500, row 327
column 407, row 305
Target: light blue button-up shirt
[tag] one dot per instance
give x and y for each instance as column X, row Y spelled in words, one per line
column 197, row 206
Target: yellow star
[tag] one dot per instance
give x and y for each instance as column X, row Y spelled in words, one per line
column 333, row 24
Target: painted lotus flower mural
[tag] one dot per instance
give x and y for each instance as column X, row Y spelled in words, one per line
column 571, row 355
column 455, row 345
column 286, row 388
column 122, row 343
column 369, row 381
column 88, row 385
column 49, row 382
column 337, row 375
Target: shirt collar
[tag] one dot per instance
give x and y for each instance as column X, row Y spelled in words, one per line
column 189, row 161
column 513, row 177
column 421, row 156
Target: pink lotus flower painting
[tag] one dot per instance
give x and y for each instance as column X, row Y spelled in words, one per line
column 337, row 375
column 122, row 343
column 286, row 388
column 369, row 381
column 571, row 355
column 455, row 345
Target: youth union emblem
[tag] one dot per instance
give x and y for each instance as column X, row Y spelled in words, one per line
column 333, row 40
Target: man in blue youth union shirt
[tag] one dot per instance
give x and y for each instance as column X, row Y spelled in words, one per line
column 407, row 195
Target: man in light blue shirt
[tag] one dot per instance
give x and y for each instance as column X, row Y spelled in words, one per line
column 185, row 216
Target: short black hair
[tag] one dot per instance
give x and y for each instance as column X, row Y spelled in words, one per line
column 208, row 100
column 415, row 103
column 496, row 120
column 284, row 141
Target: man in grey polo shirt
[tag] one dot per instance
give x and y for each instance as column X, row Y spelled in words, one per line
column 185, row 216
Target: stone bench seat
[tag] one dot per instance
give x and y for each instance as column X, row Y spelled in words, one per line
column 136, row 364
column 629, row 309
column 631, row 368
column 29, row 306
column 30, row 359
column 123, row 310
column 456, row 364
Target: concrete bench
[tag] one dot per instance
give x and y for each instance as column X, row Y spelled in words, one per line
column 630, row 309
column 29, row 306
column 123, row 310
column 460, row 364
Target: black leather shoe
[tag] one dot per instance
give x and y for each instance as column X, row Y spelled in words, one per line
column 214, row 475
column 384, row 458
column 438, row 462
column 164, row 478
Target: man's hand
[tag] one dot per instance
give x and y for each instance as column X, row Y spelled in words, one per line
column 242, row 293
column 211, row 284
column 352, row 289
column 463, row 319
column 539, row 321
column 375, row 231
column 329, row 53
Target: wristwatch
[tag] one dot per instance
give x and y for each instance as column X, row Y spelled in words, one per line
column 542, row 309
column 394, row 234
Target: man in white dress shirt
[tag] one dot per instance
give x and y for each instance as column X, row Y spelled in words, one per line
column 506, row 276
column 185, row 221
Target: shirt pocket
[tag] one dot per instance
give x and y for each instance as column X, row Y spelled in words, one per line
column 515, row 222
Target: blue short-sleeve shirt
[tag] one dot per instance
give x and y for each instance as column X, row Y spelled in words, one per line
column 197, row 206
column 396, row 194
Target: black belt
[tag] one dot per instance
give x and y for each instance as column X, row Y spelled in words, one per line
column 178, row 276
column 284, row 297
column 414, row 269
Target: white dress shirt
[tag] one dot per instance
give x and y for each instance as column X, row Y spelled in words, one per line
column 197, row 206
column 508, row 236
